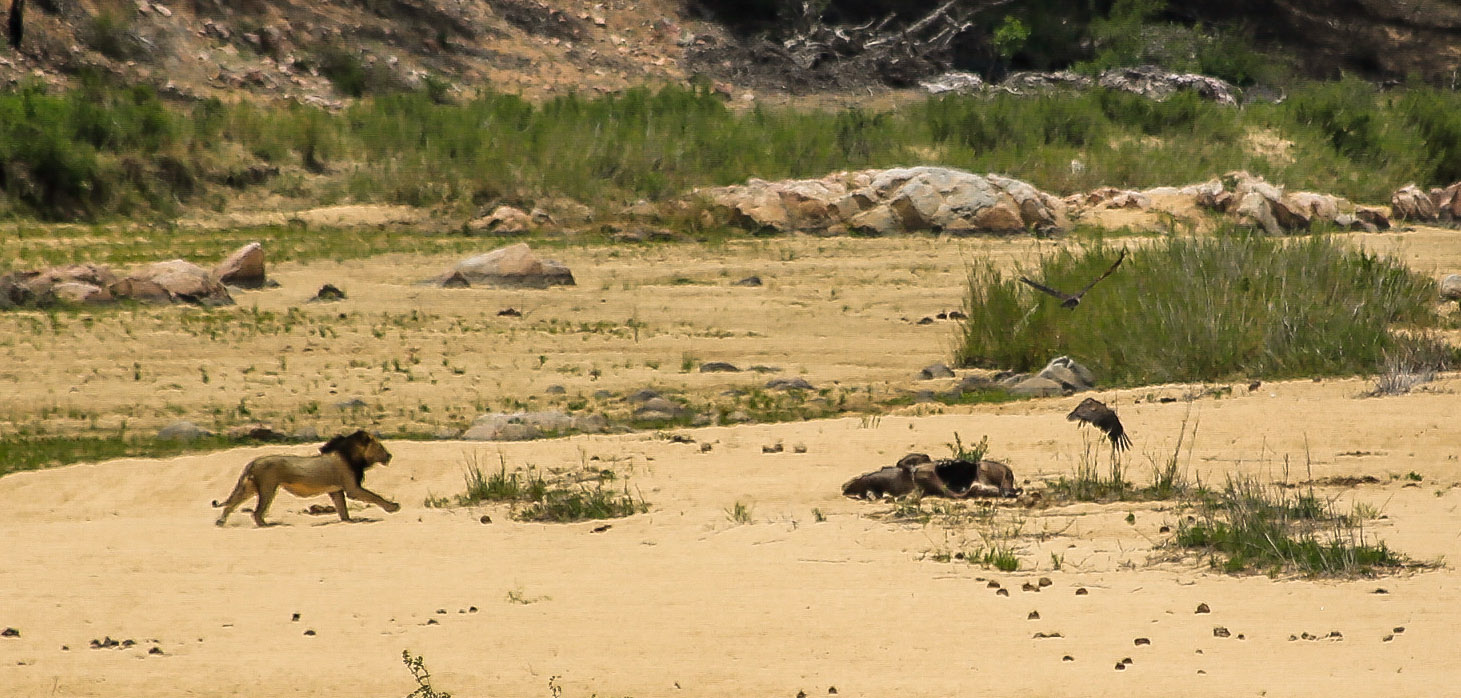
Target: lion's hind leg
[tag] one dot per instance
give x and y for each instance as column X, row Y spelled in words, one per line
column 241, row 492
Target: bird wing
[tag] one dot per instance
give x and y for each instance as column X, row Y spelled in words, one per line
column 1058, row 294
column 1092, row 411
column 1098, row 280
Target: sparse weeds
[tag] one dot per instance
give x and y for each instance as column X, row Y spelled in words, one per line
column 570, row 497
column 417, row 666
column 740, row 512
column 1251, row 526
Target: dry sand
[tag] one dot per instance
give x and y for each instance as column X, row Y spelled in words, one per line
column 683, row 600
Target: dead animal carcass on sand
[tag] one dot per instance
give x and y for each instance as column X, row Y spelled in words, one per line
column 954, row 479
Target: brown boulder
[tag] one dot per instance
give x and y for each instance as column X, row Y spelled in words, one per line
column 75, row 292
column 1448, row 202
column 185, row 281
column 140, row 290
column 1409, row 203
column 243, row 268
column 514, row 265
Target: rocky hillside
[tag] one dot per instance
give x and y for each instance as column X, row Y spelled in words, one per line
column 323, row 52
column 320, row 52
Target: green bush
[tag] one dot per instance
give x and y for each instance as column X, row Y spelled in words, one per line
column 1195, row 309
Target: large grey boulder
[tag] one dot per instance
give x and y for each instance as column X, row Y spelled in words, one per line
column 182, row 431
column 1451, row 287
column 512, row 266
column 887, row 202
column 185, row 282
column 1037, row 386
column 1070, row 375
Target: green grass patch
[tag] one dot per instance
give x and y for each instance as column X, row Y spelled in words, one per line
column 102, row 150
column 20, row 453
column 1200, row 309
column 1251, row 526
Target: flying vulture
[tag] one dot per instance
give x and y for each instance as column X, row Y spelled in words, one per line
column 1093, row 411
column 1070, row 300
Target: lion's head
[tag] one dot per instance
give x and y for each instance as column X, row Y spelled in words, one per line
column 361, row 450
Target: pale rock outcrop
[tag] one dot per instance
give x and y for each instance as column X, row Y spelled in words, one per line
column 514, row 266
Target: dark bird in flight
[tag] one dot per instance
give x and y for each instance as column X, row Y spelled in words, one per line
column 1070, row 300
column 1093, row 411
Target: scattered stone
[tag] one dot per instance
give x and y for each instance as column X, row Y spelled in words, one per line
column 1046, row 636
column 1202, row 608
column 182, row 431
column 1081, row 591
column 1220, row 631
column 455, row 280
column 601, row 528
column 512, row 266
column 244, row 268
column 1120, row 666
column 294, row 618
column 1002, row 592
column 1387, row 638
column 936, row 371
column 750, row 281
column 1398, row 629
column 925, row 320
column 155, row 650
column 789, row 384
column 992, row 584
column 320, row 509
column 485, row 519
column 1067, row 658
column 354, row 403
column 799, row 448
column 705, row 448
column 1142, row 641
column 555, row 390
column 1029, row 587
column 1044, row 582
column 1034, row 615
column 9, row 632
column 309, row 633
column 509, row 312
column 774, row 448
column 328, row 293
column 658, row 409
column 718, row 367
column 761, row 368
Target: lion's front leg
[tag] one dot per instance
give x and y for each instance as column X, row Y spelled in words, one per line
column 338, row 497
column 365, row 495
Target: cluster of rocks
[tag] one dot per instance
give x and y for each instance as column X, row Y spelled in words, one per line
column 1442, row 204
column 1062, row 376
column 1146, row 80
column 173, row 281
column 1249, row 200
column 886, row 202
column 514, row 266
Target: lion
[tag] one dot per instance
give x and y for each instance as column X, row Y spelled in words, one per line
column 337, row 471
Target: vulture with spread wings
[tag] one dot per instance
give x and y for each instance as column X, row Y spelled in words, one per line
column 1093, row 411
column 1070, row 300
